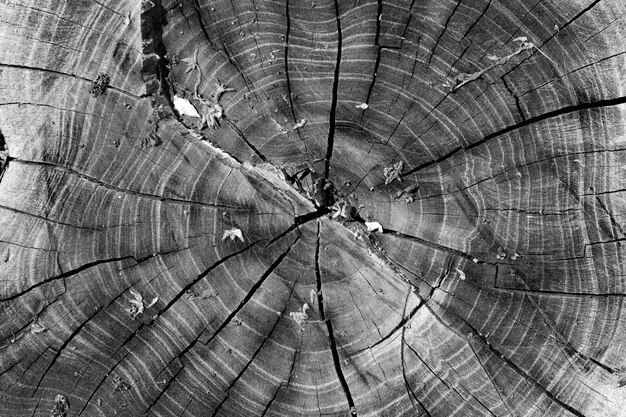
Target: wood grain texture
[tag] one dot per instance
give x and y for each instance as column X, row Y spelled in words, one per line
column 486, row 138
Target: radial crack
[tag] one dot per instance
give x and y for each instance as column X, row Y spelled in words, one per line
column 126, row 191
column 551, row 114
column 333, row 104
column 329, row 326
column 476, row 335
column 254, row 355
column 239, row 133
column 445, row 27
column 378, row 54
column 253, row 290
column 432, row 245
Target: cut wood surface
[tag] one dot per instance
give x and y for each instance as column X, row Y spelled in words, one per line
column 303, row 208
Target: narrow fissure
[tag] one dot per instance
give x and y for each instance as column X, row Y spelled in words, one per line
column 253, row 290
column 404, row 375
column 333, row 105
column 521, row 373
column 67, row 274
column 152, row 21
column 228, row 319
column 445, row 27
column 378, row 53
column 554, row 113
column 254, row 355
column 286, row 51
column 139, row 194
column 4, row 156
column 239, row 133
column 205, row 273
column 515, row 97
column 329, row 326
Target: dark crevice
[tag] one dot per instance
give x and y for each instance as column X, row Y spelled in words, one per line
column 59, row 352
column 156, row 71
column 396, row 328
column 239, row 133
column 407, row 386
column 4, row 156
column 449, row 387
column 94, row 390
column 493, row 382
column 290, row 95
column 329, row 326
column 68, row 274
column 206, row 272
column 314, row 215
column 154, row 402
column 253, row 290
column 250, row 294
column 582, row 12
column 293, row 365
column 477, row 20
column 477, row 335
column 287, row 73
column 300, row 220
column 432, row 245
column 515, row 97
column 126, row 191
column 197, row 7
column 445, row 27
column 254, row 355
column 616, row 226
column 378, row 54
column 527, row 122
column 333, row 104
column 233, row 61
column 286, row 50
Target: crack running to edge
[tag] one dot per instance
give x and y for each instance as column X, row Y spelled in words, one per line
column 329, row 325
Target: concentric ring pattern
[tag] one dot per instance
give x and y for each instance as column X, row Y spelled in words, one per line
column 281, row 208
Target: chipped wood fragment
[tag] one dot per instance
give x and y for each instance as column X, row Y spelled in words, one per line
column 119, row 384
column 184, row 107
column 232, row 234
column 137, row 306
column 61, row 406
column 300, row 317
column 461, row 274
column 300, row 124
column 374, row 227
column 393, row 171
column 37, row 328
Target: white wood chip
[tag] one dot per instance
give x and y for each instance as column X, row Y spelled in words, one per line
column 461, row 274
column 184, row 107
column 153, row 302
column 36, row 328
column 232, row 234
column 374, row 227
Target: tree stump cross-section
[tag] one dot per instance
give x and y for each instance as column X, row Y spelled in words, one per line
column 306, row 208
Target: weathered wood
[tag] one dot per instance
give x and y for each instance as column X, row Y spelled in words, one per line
column 386, row 208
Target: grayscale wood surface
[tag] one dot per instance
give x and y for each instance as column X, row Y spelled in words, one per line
column 430, row 195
